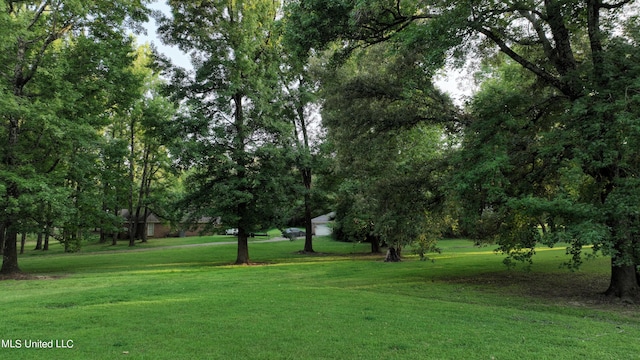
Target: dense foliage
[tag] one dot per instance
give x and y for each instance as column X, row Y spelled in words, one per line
column 545, row 152
column 385, row 119
column 71, row 81
column 553, row 154
column 237, row 143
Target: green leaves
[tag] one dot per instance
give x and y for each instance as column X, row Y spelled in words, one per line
column 233, row 131
column 383, row 115
column 65, row 75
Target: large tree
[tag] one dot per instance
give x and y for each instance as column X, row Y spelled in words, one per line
column 60, row 65
column 385, row 118
column 237, row 142
column 585, row 52
column 301, row 108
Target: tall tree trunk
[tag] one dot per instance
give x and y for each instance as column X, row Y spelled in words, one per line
column 65, row 239
column 239, row 157
column 23, row 241
column 141, row 228
column 308, row 240
column 39, row 242
column 10, row 250
column 140, row 222
column 133, row 220
column 105, row 208
column 375, row 243
column 305, row 160
column 24, row 70
column 2, row 237
column 624, row 282
column 47, row 228
column 133, row 225
column 10, row 254
column 143, row 234
column 116, row 233
column 147, row 193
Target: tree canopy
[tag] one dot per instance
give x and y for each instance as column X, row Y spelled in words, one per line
column 385, row 120
column 239, row 142
column 67, row 72
column 545, row 152
column 574, row 121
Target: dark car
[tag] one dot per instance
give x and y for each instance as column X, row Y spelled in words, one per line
column 292, row 233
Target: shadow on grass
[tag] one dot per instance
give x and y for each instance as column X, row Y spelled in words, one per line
column 566, row 288
column 27, row 276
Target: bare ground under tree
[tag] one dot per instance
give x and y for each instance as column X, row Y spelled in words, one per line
column 572, row 289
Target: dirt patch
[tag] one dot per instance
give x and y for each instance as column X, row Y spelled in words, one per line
column 345, row 255
column 25, row 276
column 313, row 253
column 574, row 289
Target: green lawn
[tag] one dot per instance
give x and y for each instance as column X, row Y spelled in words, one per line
column 189, row 303
column 94, row 245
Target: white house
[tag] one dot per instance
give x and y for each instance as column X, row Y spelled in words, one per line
column 320, row 224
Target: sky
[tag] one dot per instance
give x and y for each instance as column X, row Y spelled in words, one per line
column 178, row 57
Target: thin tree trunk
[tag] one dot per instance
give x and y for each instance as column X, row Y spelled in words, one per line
column 45, row 246
column 239, row 157
column 39, row 241
column 305, row 158
column 137, row 231
column 133, row 221
column 308, row 240
column 145, row 225
column 116, row 233
column 375, row 244
column 2, row 237
column 23, row 241
column 65, row 239
column 103, row 235
column 147, row 192
column 141, row 232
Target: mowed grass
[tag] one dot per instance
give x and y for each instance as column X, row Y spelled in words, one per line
column 190, row 303
column 93, row 245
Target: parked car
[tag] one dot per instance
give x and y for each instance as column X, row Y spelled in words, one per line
column 232, row 231
column 292, row 233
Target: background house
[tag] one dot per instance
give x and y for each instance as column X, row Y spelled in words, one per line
column 154, row 227
column 321, row 225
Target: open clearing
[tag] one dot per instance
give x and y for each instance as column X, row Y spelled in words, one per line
column 189, row 303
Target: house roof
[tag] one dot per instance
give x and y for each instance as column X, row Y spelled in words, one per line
column 323, row 219
column 153, row 219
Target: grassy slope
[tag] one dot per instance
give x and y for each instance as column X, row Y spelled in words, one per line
column 94, row 246
column 187, row 303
